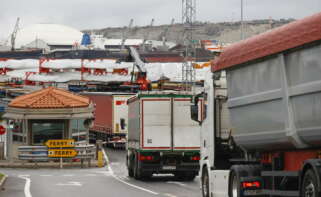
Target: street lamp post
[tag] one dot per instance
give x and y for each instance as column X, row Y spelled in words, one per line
column 242, row 23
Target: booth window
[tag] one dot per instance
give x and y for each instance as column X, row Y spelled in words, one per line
column 45, row 130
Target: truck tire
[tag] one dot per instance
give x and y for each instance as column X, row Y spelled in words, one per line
column 205, row 183
column 309, row 187
column 130, row 167
column 234, row 184
column 237, row 172
column 136, row 171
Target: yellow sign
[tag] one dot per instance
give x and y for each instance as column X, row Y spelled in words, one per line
column 60, row 143
column 62, row 153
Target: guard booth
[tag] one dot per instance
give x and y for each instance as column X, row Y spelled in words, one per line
column 50, row 113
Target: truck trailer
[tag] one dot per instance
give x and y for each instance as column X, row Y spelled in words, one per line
column 161, row 136
column 261, row 132
column 111, row 117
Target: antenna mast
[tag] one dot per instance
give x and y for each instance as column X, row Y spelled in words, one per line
column 188, row 20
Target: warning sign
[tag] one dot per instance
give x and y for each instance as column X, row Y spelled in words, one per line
column 62, row 153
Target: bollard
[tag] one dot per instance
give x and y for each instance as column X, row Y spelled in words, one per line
column 100, row 159
column 99, row 146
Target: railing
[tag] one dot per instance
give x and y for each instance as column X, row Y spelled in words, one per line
column 40, row 153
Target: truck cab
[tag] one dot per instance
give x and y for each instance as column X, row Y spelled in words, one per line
column 260, row 134
column 217, row 146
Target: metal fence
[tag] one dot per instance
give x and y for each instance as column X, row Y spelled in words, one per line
column 40, row 153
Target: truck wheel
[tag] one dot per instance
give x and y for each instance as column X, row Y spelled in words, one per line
column 136, row 171
column 234, row 184
column 130, row 167
column 309, row 186
column 205, row 183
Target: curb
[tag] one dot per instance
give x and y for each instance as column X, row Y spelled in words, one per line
column 3, row 180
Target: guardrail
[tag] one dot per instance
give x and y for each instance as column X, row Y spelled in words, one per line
column 40, row 153
column 33, row 153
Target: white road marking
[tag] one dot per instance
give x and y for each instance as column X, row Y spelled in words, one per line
column 120, row 180
column 71, row 183
column 23, row 175
column 46, row 175
column 135, row 186
column 68, row 175
column 177, row 183
column 169, row 195
column 107, row 173
column 107, row 162
column 27, row 185
column 124, row 177
column 90, row 175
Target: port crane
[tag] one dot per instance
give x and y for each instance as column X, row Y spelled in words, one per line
column 14, row 34
column 146, row 35
column 165, row 32
column 125, row 33
column 141, row 75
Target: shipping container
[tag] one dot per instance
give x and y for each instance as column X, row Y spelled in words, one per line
column 111, row 117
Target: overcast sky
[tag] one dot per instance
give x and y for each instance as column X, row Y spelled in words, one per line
column 88, row 14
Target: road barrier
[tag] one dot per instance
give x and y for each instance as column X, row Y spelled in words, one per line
column 40, row 153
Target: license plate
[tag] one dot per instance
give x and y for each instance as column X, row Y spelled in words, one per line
column 169, row 167
column 252, row 192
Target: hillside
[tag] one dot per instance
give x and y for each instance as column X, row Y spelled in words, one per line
column 226, row 32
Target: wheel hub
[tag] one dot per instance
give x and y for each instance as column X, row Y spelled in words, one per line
column 205, row 185
column 310, row 190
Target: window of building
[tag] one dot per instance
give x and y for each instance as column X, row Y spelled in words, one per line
column 45, row 130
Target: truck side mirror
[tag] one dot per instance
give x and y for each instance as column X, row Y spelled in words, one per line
column 194, row 113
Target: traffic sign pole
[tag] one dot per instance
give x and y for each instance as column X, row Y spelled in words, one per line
column 60, row 159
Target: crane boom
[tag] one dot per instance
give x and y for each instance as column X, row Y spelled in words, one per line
column 164, row 37
column 137, row 61
column 146, row 35
column 125, row 33
column 14, row 34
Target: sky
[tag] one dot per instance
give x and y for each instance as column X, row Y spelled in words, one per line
column 91, row 14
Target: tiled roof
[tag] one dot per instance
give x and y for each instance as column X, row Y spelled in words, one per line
column 289, row 36
column 50, row 98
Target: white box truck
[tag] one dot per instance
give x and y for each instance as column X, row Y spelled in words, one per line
column 261, row 135
column 161, row 136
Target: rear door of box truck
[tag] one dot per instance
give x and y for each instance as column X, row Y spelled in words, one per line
column 156, row 123
column 166, row 124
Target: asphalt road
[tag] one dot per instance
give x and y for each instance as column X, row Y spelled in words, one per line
column 94, row 182
column 165, row 185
